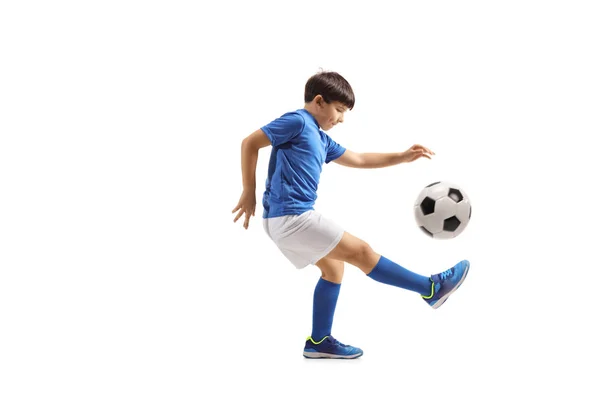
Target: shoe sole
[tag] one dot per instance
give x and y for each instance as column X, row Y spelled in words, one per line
column 314, row 355
column 443, row 299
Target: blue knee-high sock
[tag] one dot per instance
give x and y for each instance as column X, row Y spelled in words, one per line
column 390, row 273
column 324, row 301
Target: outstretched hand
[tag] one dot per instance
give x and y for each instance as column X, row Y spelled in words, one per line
column 247, row 206
column 415, row 152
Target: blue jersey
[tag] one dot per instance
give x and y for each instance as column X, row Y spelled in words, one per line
column 299, row 150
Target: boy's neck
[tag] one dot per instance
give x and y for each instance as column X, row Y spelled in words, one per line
column 311, row 109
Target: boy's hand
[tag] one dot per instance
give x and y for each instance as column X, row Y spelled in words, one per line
column 246, row 205
column 415, row 152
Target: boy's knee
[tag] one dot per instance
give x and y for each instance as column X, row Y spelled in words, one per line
column 355, row 251
column 361, row 252
column 331, row 270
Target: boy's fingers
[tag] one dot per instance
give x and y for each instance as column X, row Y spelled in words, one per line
column 238, row 216
column 424, row 148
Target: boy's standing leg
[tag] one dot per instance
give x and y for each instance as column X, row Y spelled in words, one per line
column 320, row 344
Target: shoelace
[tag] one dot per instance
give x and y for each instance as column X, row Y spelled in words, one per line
column 447, row 273
column 336, row 342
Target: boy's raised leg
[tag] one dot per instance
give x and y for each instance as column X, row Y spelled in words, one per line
column 435, row 289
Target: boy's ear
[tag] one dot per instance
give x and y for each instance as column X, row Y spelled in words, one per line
column 319, row 100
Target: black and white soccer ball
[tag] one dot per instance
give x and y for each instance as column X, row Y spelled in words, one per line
column 442, row 210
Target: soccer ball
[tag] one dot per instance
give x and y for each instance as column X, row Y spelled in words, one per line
column 442, row 210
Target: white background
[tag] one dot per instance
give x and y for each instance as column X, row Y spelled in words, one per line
column 122, row 275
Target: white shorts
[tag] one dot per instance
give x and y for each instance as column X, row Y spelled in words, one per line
column 303, row 239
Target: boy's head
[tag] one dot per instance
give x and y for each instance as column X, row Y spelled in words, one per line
column 328, row 96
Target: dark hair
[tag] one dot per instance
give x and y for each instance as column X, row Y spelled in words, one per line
column 332, row 86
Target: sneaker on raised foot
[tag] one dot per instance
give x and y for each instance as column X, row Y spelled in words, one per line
column 445, row 283
column 328, row 347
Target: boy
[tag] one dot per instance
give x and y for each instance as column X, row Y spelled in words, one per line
column 300, row 147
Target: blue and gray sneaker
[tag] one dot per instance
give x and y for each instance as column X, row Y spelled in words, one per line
column 329, row 347
column 444, row 284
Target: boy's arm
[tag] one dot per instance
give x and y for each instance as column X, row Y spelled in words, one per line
column 250, row 147
column 381, row 160
column 368, row 160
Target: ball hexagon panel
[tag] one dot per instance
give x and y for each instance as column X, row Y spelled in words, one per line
column 445, row 208
column 437, row 191
column 463, row 211
column 444, row 235
column 430, row 222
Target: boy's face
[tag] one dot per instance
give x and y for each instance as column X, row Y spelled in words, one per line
column 330, row 114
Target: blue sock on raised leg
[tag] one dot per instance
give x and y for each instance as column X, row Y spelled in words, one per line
column 324, row 302
column 390, row 273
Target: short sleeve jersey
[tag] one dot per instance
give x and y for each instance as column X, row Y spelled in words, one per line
column 299, row 150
